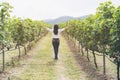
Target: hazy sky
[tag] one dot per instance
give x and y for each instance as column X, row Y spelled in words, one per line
column 49, row 9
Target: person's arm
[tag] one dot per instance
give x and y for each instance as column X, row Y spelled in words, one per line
column 63, row 29
column 49, row 29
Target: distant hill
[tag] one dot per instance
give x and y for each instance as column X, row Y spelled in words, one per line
column 82, row 17
column 59, row 20
column 63, row 19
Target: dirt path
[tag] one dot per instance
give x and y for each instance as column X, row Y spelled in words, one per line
column 40, row 64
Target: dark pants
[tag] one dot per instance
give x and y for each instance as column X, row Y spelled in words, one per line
column 55, row 43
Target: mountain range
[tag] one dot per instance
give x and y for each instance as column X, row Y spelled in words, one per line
column 63, row 19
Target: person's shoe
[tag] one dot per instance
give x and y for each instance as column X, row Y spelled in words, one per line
column 56, row 58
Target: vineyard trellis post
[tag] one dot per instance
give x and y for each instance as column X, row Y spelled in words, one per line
column 118, row 68
column 3, row 57
column 3, row 53
column 104, row 51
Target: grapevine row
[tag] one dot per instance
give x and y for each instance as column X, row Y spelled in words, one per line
column 17, row 32
column 99, row 33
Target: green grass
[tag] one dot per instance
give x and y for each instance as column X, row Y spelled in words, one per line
column 73, row 70
column 39, row 64
column 42, row 65
column 8, row 58
column 110, row 67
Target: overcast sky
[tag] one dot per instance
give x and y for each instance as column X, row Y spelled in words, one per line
column 49, row 9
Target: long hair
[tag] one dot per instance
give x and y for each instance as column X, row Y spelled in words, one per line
column 55, row 31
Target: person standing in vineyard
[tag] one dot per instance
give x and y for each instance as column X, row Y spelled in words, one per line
column 56, row 41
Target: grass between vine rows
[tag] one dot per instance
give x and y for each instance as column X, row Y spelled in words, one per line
column 39, row 64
